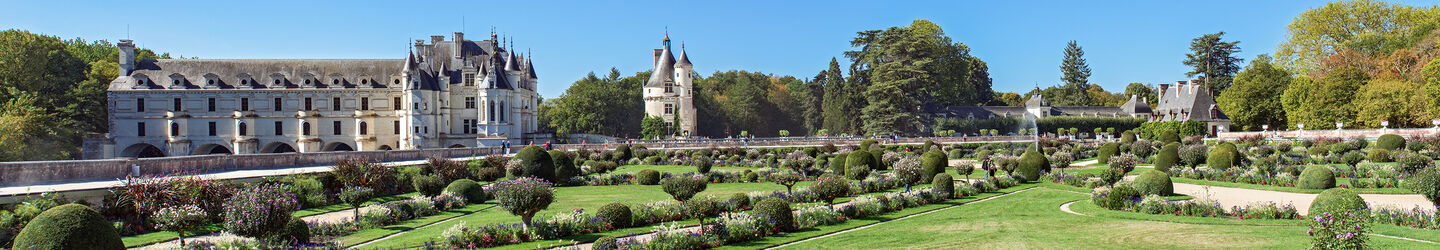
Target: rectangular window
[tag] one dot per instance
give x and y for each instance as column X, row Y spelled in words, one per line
column 279, row 128
column 278, row 104
column 397, row 104
column 337, row 127
column 140, row 105
column 177, row 105
column 243, row 129
column 469, row 102
column 397, row 127
column 364, row 103
column 211, row 103
column 467, row 125
column 335, row 102
column 469, row 79
column 307, row 104
column 140, row 129
column 669, row 108
column 669, row 87
column 244, row 104
column 212, row 128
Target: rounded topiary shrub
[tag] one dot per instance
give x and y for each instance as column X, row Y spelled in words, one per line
column 778, row 211
column 1336, row 200
column 70, row 226
column 618, row 215
column 1107, row 151
column 1390, row 142
column 1032, row 164
column 1316, row 177
column 427, row 185
column 1169, row 136
column 943, row 183
column 1154, row 182
column 1221, row 158
column 1379, row 155
column 1354, row 158
column 605, row 243
column 533, row 162
column 1168, row 157
column 865, row 144
column 648, row 177
column 296, row 231
column 703, row 164
column 622, row 153
column 933, row 163
column 467, row 188
column 861, row 158
column 740, row 199
column 1127, row 137
column 564, row 166
column 684, row 187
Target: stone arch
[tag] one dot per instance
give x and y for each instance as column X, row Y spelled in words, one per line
column 337, row 146
column 457, row 146
column 277, row 147
column 212, row 149
column 142, row 150
column 384, row 148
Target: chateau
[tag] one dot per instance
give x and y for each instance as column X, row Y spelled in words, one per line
column 455, row 93
column 1183, row 101
column 668, row 94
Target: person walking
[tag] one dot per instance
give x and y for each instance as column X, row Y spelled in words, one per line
column 987, row 166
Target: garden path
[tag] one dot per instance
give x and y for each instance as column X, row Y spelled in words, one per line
column 1229, row 197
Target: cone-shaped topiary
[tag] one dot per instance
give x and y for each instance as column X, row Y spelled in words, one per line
column 1168, row 157
column 1154, row 182
column 534, row 162
column 778, row 211
column 564, row 166
column 1316, row 177
column 1032, row 164
column 1336, row 200
column 70, row 226
column 467, row 188
column 1390, row 142
column 933, row 163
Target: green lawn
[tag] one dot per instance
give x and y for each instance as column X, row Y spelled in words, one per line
column 163, row 236
column 675, row 169
column 1338, row 182
column 1032, row 219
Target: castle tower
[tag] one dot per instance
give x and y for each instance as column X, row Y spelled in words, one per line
column 685, row 91
column 668, row 92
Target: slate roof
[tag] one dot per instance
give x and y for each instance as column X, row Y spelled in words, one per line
column 1188, row 102
column 1135, row 106
column 664, row 67
column 228, row 72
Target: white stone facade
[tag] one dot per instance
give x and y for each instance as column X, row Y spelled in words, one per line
column 456, row 93
column 669, row 92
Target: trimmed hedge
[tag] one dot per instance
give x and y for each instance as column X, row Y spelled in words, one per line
column 564, row 166
column 617, row 214
column 1032, row 164
column 1086, row 123
column 70, row 226
column 944, row 183
column 1168, row 157
column 1390, row 142
column 862, row 158
column 1316, row 177
column 1153, row 130
column 473, row 192
column 1107, row 151
column 534, row 162
column 778, row 211
column 1169, row 136
column 648, row 177
column 1127, row 137
column 296, row 231
column 1221, row 158
column 1336, row 200
column 1154, row 182
column 427, row 185
column 933, row 162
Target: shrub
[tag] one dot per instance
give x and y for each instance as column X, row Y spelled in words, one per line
column 965, row 169
column 1032, row 164
column 259, row 210
column 944, row 183
column 622, row 153
column 472, row 191
column 605, row 243
column 830, row 186
column 295, row 231
column 1154, row 182
column 428, row 185
column 1127, row 137
column 907, row 172
column 778, row 211
column 1169, row 136
column 70, row 226
column 1316, row 177
column 1427, row 183
column 1411, row 162
column 1192, row 155
column 956, row 154
column 1390, row 142
column 179, row 219
column 618, row 215
column 1061, row 160
column 866, row 143
column 862, row 158
column 1107, row 151
column 356, row 197
column 355, row 173
column 1221, row 158
column 1114, row 198
column 701, row 208
column 564, row 166
column 703, row 164
column 534, row 162
column 751, row 176
column 648, row 177
column 1336, row 200
column 1124, row 162
column 1354, row 158
column 1112, row 175
column 837, row 163
column 1343, row 230
column 933, row 163
column 524, row 197
column 858, row 172
column 785, row 178
column 684, row 187
column 447, row 169
column 1378, row 155
column 1168, row 157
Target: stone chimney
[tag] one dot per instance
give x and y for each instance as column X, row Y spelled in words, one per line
column 459, row 45
column 436, row 39
column 657, row 56
column 1163, row 88
column 127, row 56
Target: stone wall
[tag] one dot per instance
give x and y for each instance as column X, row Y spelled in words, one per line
column 1347, row 133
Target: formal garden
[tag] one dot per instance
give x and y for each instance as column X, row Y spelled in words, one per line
column 1053, row 193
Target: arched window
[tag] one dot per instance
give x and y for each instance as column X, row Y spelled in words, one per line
column 174, row 129
column 364, row 128
column 243, row 129
column 305, row 128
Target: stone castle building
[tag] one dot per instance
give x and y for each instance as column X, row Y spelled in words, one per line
column 1184, row 101
column 456, row 93
column 669, row 92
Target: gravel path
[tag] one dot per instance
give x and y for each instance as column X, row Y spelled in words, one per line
column 331, row 217
column 1066, row 207
column 1229, row 197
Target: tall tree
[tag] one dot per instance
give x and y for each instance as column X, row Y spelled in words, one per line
column 1320, row 103
column 593, row 105
column 1255, row 98
column 1400, row 102
column 1142, row 91
column 1075, row 78
column 1321, row 31
column 838, row 109
column 1214, row 60
column 905, row 69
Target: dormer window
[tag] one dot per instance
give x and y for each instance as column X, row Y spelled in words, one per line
column 141, row 81
column 212, row 81
column 337, row 81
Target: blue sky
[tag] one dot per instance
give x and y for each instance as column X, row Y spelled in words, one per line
column 1124, row 41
